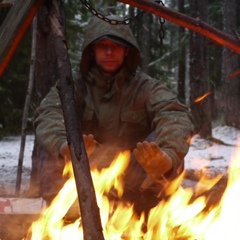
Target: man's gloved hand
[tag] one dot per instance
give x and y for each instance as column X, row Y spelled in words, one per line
column 153, row 160
column 89, row 142
column 65, row 151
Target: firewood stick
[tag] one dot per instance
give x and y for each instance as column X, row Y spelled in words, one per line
column 92, row 228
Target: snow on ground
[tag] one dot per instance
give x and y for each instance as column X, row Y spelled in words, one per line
column 213, row 157
column 9, row 154
column 204, row 156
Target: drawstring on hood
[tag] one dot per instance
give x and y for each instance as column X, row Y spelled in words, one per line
column 97, row 29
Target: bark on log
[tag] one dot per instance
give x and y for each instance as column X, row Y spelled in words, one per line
column 196, row 25
column 90, row 215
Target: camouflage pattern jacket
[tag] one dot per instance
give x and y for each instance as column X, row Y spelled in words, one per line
column 121, row 116
column 120, row 111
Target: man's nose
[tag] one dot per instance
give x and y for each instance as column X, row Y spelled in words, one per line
column 109, row 49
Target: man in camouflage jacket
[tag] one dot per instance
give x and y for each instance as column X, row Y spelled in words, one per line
column 124, row 110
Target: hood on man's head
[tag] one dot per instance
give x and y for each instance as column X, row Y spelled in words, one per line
column 97, row 29
column 114, row 39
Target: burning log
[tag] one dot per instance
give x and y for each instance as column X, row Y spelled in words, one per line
column 184, row 215
column 86, row 194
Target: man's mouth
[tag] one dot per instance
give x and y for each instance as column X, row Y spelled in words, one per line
column 109, row 61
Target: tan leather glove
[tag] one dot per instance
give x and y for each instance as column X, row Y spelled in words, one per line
column 89, row 142
column 153, row 160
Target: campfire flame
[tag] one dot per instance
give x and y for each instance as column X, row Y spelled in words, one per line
column 183, row 216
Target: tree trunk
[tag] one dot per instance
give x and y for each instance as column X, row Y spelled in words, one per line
column 46, row 67
column 111, row 7
column 44, row 78
column 182, row 57
column 146, row 42
column 199, row 85
column 230, row 64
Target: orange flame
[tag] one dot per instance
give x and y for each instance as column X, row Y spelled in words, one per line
column 182, row 216
column 199, row 99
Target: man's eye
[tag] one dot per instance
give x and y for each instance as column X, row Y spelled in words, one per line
column 106, row 46
column 101, row 45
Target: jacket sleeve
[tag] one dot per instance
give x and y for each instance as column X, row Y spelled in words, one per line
column 171, row 121
column 49, row 124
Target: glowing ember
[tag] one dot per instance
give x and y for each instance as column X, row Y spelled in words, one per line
column 199, row 99
column 183, row 216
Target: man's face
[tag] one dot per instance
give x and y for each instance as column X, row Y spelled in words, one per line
column 109, row 56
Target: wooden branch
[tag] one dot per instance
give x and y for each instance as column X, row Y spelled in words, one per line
column 196, row 25
column 14, row 27
column 90, row 215
column 233, row 75
column 26, row 106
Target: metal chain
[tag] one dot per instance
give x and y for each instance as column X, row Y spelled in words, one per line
column 161, row 31
column 127, row 20
column 110, row 21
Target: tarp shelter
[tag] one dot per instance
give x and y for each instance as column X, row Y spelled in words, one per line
column 6, row 3
column 14, row 27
